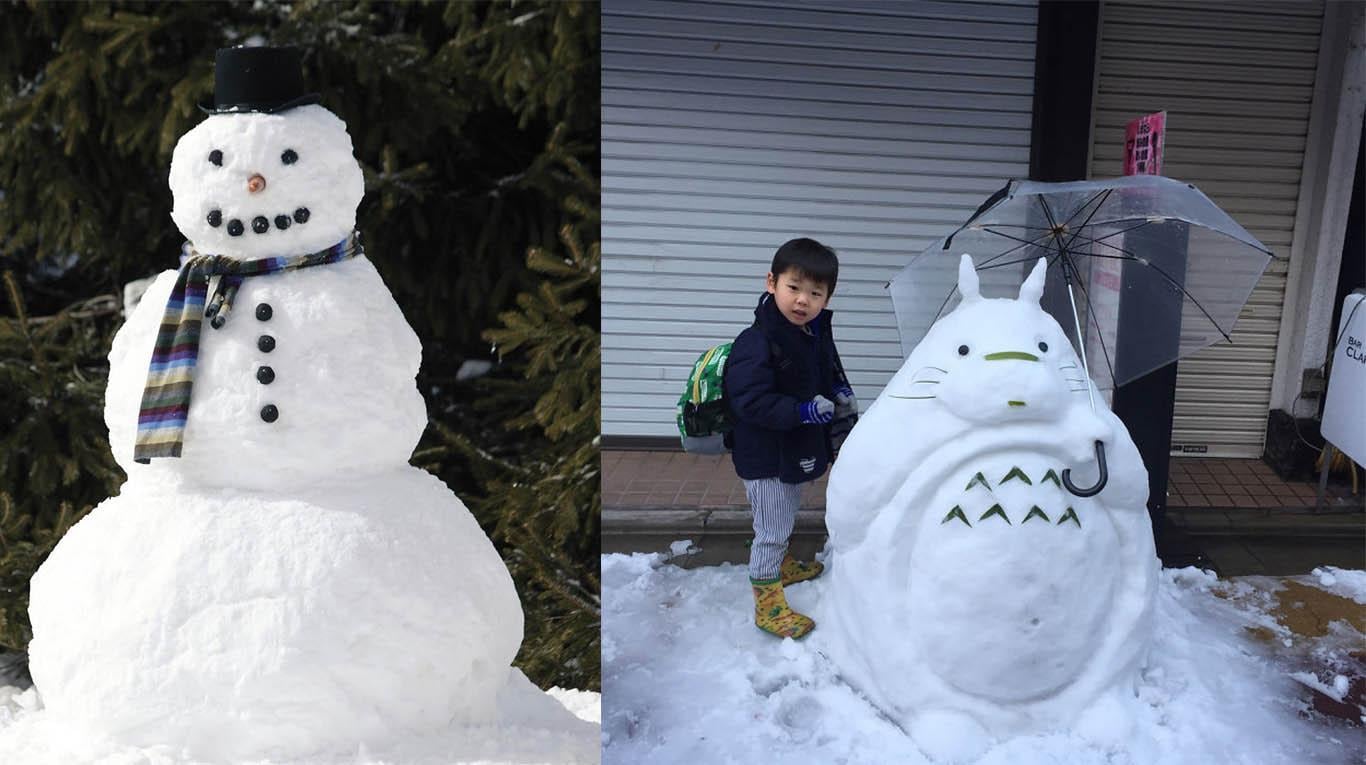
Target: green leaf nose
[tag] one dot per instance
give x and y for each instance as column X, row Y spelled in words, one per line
column 1004, row 355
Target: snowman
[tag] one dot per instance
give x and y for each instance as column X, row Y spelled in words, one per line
column 274, row 579
column 973, row 594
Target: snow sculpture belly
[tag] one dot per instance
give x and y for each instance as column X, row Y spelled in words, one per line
column 1004, row 526
column 966, row 579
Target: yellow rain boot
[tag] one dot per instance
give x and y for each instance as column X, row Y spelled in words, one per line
column 772, row 614
column 794, row 570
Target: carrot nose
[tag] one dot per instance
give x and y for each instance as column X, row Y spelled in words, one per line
column 256, row 183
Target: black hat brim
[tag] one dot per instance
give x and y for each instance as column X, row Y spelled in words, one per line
column 271, row 108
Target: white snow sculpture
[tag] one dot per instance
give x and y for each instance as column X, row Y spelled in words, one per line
column 289, row 584
column 972, row 595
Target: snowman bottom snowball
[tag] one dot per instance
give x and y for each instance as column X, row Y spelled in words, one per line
column 239, row 625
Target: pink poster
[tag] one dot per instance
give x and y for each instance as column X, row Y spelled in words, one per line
column 1143, row 144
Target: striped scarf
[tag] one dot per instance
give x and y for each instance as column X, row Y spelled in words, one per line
column 166, row 396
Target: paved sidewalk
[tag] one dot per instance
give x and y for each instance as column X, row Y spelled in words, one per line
column 1241, row 514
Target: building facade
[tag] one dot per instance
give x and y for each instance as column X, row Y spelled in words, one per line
column 875, row 127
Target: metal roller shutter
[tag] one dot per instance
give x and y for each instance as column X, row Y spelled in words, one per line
column 730, row 127
column 1236, row 80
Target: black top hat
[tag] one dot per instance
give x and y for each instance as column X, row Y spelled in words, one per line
column 259, row 79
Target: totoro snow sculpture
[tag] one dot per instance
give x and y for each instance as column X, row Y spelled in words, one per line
column 276, row 580
column 970, row 591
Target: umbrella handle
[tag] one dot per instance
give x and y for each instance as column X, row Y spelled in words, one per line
column 1094, row 490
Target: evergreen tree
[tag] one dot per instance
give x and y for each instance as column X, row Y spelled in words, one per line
column 465, row 117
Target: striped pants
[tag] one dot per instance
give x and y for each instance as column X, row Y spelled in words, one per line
column 775, row 513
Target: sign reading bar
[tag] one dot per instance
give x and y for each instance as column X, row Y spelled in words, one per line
column 1143, row 144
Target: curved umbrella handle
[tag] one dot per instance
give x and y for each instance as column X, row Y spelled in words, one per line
column 1094, row 490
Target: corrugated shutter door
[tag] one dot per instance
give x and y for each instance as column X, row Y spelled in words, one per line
column 1236, row 80
column 731, row 127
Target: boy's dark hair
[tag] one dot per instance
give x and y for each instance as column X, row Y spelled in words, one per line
column 808, row 258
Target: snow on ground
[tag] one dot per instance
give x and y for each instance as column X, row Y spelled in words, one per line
column 687, row 678
column 29, row 737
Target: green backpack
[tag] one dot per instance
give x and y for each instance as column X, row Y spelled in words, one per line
column 703, row 412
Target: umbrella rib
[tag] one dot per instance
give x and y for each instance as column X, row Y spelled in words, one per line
column 1047, row 212
column 1102, row 197
column 1027, row 242
column 1148, row 263
column 1100, row 336
column 949, row 296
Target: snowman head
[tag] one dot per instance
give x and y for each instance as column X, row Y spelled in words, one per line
column 254, row 185
column 993, row 361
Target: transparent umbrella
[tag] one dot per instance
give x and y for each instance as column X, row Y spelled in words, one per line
column 1142, row 270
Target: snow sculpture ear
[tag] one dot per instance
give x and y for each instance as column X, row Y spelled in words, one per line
column 968, row 284
column 1032, row 289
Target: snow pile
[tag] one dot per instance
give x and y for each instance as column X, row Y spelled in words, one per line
column 971, row 591
column 534, row 727
column 687, row 678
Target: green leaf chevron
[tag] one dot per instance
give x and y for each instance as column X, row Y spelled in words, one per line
column 1035, row 512
column 1070, row 514
column 1015, row 472
column 978, row 479
column 956, row 512
column 1051, row 476
column 994, row 510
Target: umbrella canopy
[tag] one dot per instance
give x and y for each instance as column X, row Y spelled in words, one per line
column 1160, row 271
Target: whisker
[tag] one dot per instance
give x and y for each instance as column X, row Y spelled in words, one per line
column 1069, row 379
column 912, row 398
column 937, row 369
column 925, row 382
column 1069, row 366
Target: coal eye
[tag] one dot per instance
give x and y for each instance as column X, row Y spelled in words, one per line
column 289, row 157
column 1043, row 347
column 216, row 157
column 962, row 350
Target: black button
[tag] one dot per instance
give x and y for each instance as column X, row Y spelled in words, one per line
column 260, row 225
column 301, row 215
column 263, row 312
column 269, row 413
column 215, row 218
column 265, row 375
column 282, row 222
column 265, row 343
column 216, row 157
column 235, row 227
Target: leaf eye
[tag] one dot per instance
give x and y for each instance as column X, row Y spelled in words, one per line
column 1043, row 347
column 289, row 157
column 962, row 350
column 216, row 157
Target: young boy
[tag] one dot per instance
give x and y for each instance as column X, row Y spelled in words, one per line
column 785, row 386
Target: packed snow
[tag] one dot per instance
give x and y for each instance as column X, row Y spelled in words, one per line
column 687, row 678
column 539, row 730
column 969, row 516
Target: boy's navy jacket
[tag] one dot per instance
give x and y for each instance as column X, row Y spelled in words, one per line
column 766, row 390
